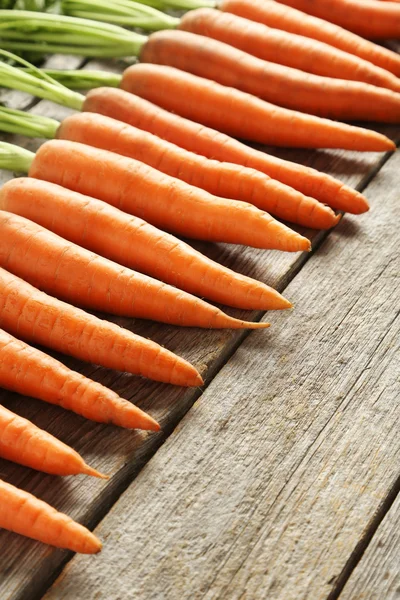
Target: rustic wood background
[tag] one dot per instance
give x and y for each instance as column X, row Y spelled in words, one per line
column 281, row 480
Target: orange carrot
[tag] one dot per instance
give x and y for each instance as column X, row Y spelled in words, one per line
column 370, row 19
column 24, row 443
column 285, row 48
column 30, row 372
column 226, row 180
column 24, row 514
column 161, row 200
column 239, row 114
column 145, row 115
column 31, row 315
column 289, row 19
column 280, row 85
column 132, row 242
column 76, row 275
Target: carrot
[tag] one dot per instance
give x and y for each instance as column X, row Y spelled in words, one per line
column 285, row 48
column 132, row 242
column 226, row 180
column 274, row 14
column 32, row 315
column 239, row 114
column 24, row 514
column 159, row 199
column 24, row 443
column 370, row 19
column 269, row 44
column 222, row 179
column 76, row 275
column 30, row 372
column 280, row 85
column 204, row 141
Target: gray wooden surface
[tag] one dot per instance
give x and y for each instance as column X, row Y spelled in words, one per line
column 377, row 575
column 305, row 393
column 268, row 484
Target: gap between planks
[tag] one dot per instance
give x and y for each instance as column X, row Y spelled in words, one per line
column 207, row 348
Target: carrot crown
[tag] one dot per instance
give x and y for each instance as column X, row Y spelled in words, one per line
column 35, row 82
column 120, row 12
column 14, row 158
column 22, row 30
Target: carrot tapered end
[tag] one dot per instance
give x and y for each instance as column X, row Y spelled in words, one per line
column 351, row 201
column 148, row 423
column 90, row 471
column 256, row 325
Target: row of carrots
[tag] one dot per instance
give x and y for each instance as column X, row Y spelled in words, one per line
column 148, row 158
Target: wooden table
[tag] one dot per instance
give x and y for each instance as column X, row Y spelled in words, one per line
column 279, row 478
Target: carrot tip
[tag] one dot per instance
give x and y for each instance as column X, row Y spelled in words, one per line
column 90, row 471
column 150, row 424
column 257, row 325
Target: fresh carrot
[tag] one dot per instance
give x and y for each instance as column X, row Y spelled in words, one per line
column 132, row 242
column 235, row 112
column 370, row 19
column 280, row 85
column 75, row 275
column 226, row 180
column 24, row 443
column 30, row 372
column 24, row 514
column 241, row 115
column 276, row 15
column 285, row 48
column 221, row 179
column 161, row 200
column 204, row 141
column 32, row 315
column 265, row 43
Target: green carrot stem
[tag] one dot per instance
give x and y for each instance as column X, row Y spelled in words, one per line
column 120, row 12
column 181, row 4
column 36, row 83
column 24, row 123
column 14, row 158
column 82, row 79
column 42, row 32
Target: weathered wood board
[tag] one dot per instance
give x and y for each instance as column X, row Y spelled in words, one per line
column 266, row 487
column 377, row 576
column 27, row 567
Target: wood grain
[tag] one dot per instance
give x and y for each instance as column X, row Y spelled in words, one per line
column 267, row 485
column 27, row 567
column 377, row 576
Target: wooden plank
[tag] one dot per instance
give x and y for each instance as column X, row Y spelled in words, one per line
column 26, row 567
column 377, row 575
column 268, row 484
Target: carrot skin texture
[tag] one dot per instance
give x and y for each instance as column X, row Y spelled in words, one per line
column 276, row 15
column 285, row 48
column 134, row 110
column 32, row 315
column 282, row 86
column 371, row 19
column 226, row 180
column 75, row 275
column 22, row 513
column 104, row 229
column 161, row 200
column 30, row 372
column 24, row 443
column 242, row 115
